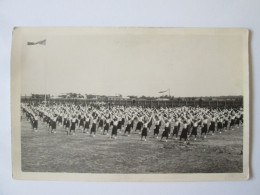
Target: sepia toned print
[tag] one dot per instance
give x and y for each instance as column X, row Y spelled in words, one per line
column 130, row 104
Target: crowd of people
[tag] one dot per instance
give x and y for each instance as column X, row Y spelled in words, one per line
column 181, row 123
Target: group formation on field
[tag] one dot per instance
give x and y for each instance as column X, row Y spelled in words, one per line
column 182, row 123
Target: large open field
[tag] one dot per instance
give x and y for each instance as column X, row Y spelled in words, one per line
column 81, row 153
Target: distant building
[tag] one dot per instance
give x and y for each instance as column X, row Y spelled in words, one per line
column 162, row 99
column 116, row 97
column 71, row 96
column 40, row 96
column 63, row 95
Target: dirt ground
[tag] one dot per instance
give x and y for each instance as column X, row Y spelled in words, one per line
column 80, row 153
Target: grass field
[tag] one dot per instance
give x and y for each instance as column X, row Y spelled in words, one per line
column 81, row 153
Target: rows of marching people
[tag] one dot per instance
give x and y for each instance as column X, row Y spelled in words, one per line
column 181, row 123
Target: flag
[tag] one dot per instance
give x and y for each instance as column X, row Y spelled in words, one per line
column 163, row 91
column 43, row 42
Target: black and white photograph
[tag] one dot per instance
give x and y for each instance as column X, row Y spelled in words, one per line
column 130, row 104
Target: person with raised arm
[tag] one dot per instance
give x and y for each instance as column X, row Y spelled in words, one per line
column 94, row 126
column 157, row 126
column 128, row 125
column 114, row 128
column 194, row 130
column 144, row 130
column 184, row 132
column 139, row 124
column 87, row 123
column 166, row 129
column 204, row 128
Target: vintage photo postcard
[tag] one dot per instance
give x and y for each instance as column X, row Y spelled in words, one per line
column 130, row 104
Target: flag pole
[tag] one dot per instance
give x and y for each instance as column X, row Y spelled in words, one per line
column 45, row 55
column 42, row 42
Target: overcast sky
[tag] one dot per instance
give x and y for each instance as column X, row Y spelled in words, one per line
column 130, row 63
